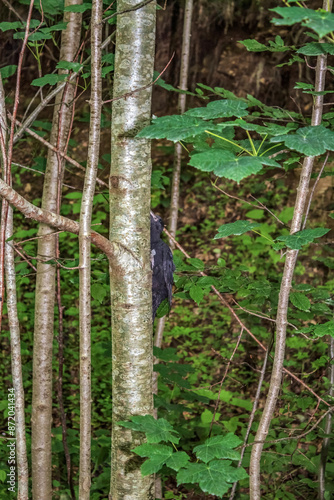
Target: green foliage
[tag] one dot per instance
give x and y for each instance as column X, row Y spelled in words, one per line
column 246, row 142
column 175, row 128
column 238, row 228
column 297, row 240
column 255, row 46
column 213, row 476
column 310, row 141
column 318, row 20
column 155, row 430
column 78, row 8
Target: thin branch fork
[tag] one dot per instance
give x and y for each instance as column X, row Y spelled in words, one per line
column 56, row 150
column 290, row 438
column 64, row 224
column 132, row 9
column 129, row 94
column 57, row 221
column 233, row 313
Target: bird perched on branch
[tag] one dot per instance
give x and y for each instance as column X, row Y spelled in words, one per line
column 162, row 265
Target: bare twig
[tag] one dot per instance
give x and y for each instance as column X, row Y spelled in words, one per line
column 292, row 438
column 129, row 94
column 10, row 7
column 132, row 9
column 262, row 316
column 38, row 172
column 54, row 220
column 56, row 150
column 224, row 377
column 255, row 405
column 261, row 206
column 313, row 190
column 233, row 313
column 54, row 92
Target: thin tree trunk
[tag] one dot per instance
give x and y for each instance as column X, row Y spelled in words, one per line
column 283, row 302
column 14, row 327
column 45, row 282
column 15, row 346
column 7, row 264
column 183, row 85
column 131, row 277
column 328, row 427
column 175, row 193
column 85, row 250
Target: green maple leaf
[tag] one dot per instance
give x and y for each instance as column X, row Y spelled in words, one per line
column 218, row 447
column 175, row 128
column 225, row 164
column 235, row 228
column 220, row 109
column 310, row 141
column 155, row 430
column 213, row 478
column 297, row 240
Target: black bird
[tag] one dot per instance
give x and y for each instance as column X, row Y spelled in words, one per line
column 162, row 265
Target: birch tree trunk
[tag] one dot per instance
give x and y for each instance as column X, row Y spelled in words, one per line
column 14, row 327
column 283, row 301
column 85, row 250
column 130, row 277
column 183, row 85
column 45, row 281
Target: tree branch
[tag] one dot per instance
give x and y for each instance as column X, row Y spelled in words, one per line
column 57, row 221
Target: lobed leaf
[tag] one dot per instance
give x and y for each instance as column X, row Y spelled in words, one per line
column 155, row 430
column 213, row 478
column 310, row 141
column 297, row 240
column 174, row 128
column 218, row 447
column 235, row 228
column 220, row 109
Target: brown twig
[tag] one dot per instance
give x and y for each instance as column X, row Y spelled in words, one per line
column 313, row 190
column 132, row 9
column 54, row 92
column 24, row 257
column 255, row 405
column 290, row 438
column 224, row 377
column 236, row 317
column 129, row 94
column 56, row 150
column 262, row 316
column 7, row 168
column 10, row 7
column 38, row 172
column 261, row 206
